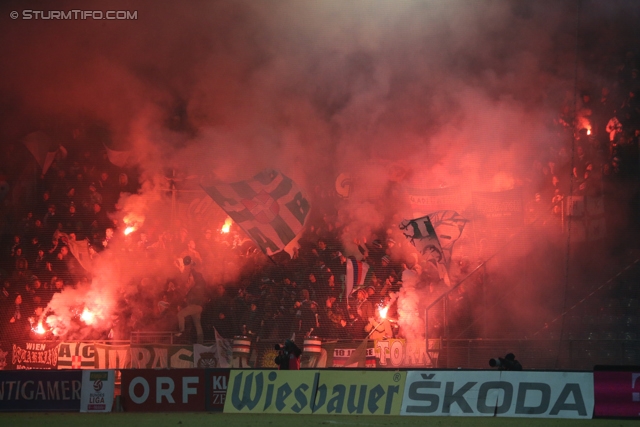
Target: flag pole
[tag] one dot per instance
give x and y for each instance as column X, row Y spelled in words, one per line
column 375, row 328
column 272, row 260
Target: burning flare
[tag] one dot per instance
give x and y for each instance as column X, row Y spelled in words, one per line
column 87, row 316
column 39, row 328
column 133, row 222
column 227, row 226
column 383, row 312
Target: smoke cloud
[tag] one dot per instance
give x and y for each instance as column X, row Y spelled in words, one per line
column 449, row 93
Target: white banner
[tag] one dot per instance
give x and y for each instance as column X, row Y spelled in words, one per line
column 97, row 391
column 499, row 393
column 76, row 355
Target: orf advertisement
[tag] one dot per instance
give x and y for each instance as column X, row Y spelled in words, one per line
column 499, row 393
column 163, row 390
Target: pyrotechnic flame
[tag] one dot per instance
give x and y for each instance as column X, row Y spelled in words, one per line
column 227, row 226
column 383, row 312
column 588, row 131
column 39, row 329
column 87, row 316
column 133, row 222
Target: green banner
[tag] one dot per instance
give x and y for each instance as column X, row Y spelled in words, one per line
column 151, row 356
column 359, row 392
column 271, row 391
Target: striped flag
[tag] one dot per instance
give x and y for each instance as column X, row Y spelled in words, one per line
column 270, row 208
column 356, row 274
column 76, row 355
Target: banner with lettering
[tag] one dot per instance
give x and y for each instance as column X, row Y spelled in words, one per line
column 339, row 352
column 216, row 381
column 98, row 389
column 398, row 353
column 112, row 356
column 150, row 356
column 503, row 208
column 426, row 200
column 77, row 355
column 30, row 390
column 499, row 393
column 34, row 355
column 163, row 390
column 369, row 392
column 271, row 391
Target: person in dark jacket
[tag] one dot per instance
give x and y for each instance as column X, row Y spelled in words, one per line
column 288, row 357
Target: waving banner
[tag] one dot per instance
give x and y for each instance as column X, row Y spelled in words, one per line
column 433, row 236
column 422, row 235
column 78, row 248
column 270, row 208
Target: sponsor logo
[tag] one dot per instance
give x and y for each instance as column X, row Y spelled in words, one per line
column 430, row 395
column 307, row 392
column 165, row 387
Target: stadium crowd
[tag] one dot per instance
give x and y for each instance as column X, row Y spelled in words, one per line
column 302, row 294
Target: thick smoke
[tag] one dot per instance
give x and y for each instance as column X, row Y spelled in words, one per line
column 451, row 93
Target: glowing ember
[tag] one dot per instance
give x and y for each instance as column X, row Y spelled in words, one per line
column 39, row 329
column 589, row 131
column 226, row 227
column 87, row 317
column 133, row 222
column 383, row 312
